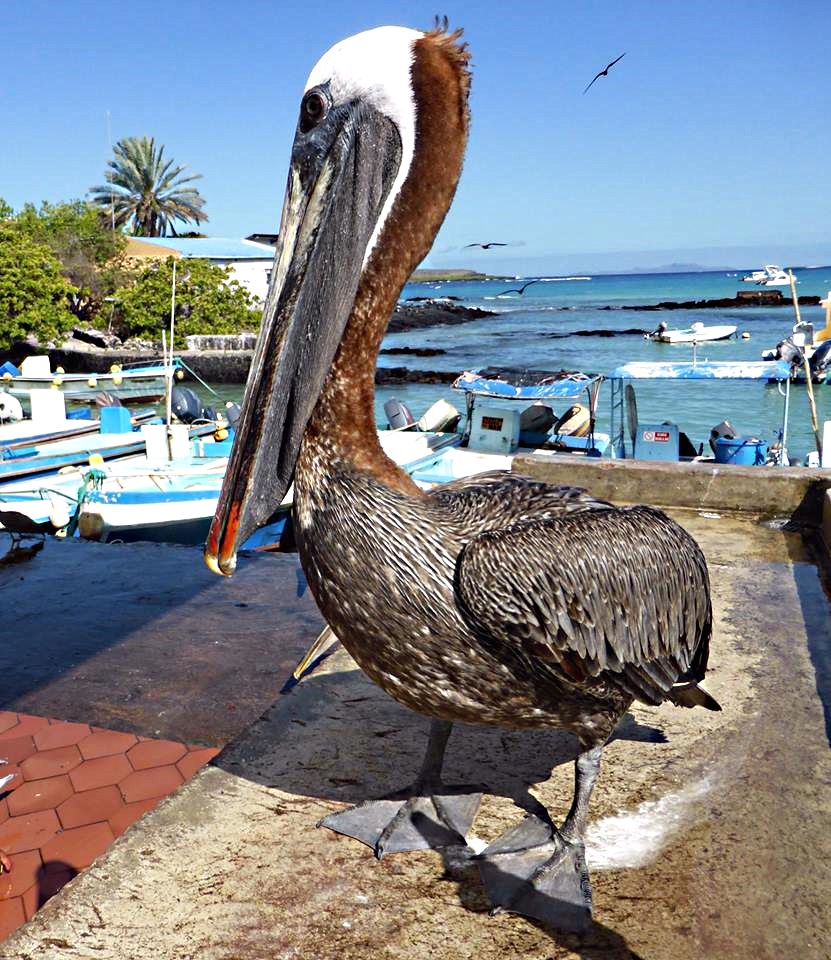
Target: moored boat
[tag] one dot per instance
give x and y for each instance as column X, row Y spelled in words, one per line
column 141, row 383
column 696, row 333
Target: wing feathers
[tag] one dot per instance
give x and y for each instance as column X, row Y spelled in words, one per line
column 622, row 595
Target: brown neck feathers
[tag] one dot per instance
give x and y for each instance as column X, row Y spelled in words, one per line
column 440, row 81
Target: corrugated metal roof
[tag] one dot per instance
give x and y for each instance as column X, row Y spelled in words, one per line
column 214, row 248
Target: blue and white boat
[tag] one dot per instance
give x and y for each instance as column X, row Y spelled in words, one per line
column 138, row 383
column 665, row 441
column 504, row 420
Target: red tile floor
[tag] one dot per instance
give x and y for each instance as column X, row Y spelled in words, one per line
column 77, row 788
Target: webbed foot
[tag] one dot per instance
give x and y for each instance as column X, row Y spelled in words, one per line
column 535, row 871
column 405, row 822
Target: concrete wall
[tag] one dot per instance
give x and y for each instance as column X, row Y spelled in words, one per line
column 794, row 492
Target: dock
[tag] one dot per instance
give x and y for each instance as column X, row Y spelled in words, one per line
column 709, row 834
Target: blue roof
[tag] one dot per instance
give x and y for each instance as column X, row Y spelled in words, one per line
column 214, row 248
column 569, row 388
column 764, row 370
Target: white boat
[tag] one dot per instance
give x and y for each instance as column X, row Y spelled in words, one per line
column 138, row 384
column 695, row 333
column 769, row 276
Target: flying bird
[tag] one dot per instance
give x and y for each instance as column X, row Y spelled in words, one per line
column 494, row 599
column 485, row 246
column 605, row 72
column 521, row 289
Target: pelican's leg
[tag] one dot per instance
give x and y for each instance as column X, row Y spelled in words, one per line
column 540, row 871
column 428, row 815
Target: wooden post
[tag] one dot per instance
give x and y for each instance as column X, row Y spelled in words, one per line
column 808, row 381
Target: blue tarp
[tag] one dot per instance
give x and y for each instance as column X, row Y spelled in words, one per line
column 570, row 388
column 764, row 370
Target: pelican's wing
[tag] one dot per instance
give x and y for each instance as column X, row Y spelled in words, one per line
column 619, row 595
column 498, row 499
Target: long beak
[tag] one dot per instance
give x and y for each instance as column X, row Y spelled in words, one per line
column 341, row 172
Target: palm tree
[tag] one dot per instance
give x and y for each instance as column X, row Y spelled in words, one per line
column 147, row 191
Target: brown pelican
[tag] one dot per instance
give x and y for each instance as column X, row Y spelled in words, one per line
column 496, row 599
column 604, row 72
column 485, row 246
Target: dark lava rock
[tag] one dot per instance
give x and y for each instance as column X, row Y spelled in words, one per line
column 414, row 351
column 96, row 337
column 772, row 298
column 431, row 314
column 395, row 375
column 631, row 332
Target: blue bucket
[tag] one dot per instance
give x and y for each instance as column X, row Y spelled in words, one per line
column 748, row 451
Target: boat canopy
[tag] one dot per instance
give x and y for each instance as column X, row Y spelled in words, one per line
column 764, row 370
column 571, row 387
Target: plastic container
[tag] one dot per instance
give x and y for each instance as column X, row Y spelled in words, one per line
column 745, row 451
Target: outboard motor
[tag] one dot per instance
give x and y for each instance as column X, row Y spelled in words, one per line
column 722, row 431
column 10, row 408
column 787, row 350
column 538, row 418
column 821, row 360
column 398, row 414
column 185, row 404
column 106, row 399
column 232, row 413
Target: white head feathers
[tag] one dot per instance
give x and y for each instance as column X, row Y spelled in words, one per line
column 374, row 66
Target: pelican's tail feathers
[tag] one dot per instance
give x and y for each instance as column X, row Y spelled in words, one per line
column 690, row 694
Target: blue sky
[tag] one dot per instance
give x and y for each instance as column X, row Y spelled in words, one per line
column 709, row 142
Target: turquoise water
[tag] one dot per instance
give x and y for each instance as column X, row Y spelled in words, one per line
column 536, row 331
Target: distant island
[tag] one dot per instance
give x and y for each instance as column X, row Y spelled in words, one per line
column 434, row 276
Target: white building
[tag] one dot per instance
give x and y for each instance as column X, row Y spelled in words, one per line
column 249, row 262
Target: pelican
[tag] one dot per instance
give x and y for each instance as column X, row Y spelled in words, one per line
column 496, row 599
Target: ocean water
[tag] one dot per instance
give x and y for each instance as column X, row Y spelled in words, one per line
column 545, row 329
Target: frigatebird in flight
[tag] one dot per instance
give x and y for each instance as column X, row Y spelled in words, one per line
column 485, row 246
column 521, row 289
column 605, row 73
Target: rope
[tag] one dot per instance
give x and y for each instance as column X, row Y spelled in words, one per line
column 196, row 376
column 93, row 479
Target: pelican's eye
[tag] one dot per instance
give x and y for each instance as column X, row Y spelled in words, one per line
column 312, row 110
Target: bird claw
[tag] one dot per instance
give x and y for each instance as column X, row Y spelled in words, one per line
column 396, row 824
column 533, row 870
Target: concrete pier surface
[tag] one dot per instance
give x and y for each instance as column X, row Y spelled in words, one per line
column 709, row 831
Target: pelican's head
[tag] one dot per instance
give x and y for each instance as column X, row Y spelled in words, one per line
column 376, row 158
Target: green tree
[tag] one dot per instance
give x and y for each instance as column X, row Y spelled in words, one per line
column 207, row 301
column 147, row 191
column 85, row 246
column 34, row 295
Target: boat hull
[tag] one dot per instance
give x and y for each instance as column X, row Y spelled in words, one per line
column 690, row 335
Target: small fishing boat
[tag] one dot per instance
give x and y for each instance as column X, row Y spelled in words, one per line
column 664, row 440
column 139, row 383
column 695, row 333
column 503, row 420
column 148, row 497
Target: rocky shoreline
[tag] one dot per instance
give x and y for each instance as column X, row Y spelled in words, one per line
column 80, row 355
column 751, row 298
